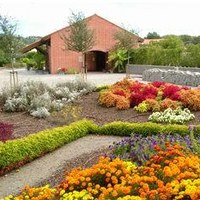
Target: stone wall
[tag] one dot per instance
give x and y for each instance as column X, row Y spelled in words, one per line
column 178, row 77
column 139, row 69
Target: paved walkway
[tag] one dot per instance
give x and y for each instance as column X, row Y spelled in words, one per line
column 40, row 169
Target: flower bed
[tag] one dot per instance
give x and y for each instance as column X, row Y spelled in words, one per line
column 154, row 96
column 171, row 173
column 139, row 149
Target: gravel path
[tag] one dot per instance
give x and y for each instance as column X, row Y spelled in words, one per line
column 98, row 78
column 41, row 169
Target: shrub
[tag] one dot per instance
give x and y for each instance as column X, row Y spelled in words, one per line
column 142, row 107
column 149, row 90
column 32, row 146
column 171, row 91
column 6, row 131
column 168, row 103
column 148, row 105
column 15, row 104
column 136, row 98
column 126, row 128
column 122, row 103
column 43, row 100
column 152, row 104
column 107, row 98
column 119, row 92
column 177, row 116
column 191, row 98
column 125, row 84
column 39, row 99
column 158, row 84
column 136, row 87
column 40, row 112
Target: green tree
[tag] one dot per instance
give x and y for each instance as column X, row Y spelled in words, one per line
column 187, row 39
column 79, row 37
column 196, row 40
column 191, row 56
column 125, row 40
column 8, row 39
column 153, row 35
column 34, row 60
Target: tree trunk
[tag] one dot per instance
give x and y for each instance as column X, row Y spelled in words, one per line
column 84, row 67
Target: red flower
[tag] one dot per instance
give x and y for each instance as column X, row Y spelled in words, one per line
column 136, row 87
column 136, row 98
column 170, row 90
column 157, row 84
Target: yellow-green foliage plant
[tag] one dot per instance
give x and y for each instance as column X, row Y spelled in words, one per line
column 32, row 146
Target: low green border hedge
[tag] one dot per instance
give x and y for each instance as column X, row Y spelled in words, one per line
column 34, row 145
column 145, row 128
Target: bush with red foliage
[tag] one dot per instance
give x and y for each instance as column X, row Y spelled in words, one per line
column 136, row 87
column 136, row 98
column 172, row 92
column 6, row 131
column 150, row 90
column 142, row 93
column 158, row 84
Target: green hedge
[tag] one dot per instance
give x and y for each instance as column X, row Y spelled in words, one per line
column 34, row 145
column 145, row 128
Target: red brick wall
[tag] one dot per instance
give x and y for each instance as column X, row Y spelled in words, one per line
column 103, row 33
column 90, row 61
column 61, row 58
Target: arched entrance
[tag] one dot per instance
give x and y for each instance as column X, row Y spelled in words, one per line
column 96, row 60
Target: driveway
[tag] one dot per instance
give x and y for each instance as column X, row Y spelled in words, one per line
column 98, row 78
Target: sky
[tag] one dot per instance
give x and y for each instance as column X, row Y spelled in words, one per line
column 42, row 17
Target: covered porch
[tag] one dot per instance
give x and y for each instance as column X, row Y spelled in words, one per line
column 43, row 46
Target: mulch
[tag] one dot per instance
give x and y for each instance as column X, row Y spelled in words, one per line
column 84, row 107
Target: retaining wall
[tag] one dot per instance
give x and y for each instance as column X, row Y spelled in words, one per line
column 178, row 77
column 139, row 69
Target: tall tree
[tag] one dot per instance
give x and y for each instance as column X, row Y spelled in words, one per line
column 153, row 35
column 125, row 40
column 9, row 42
column 79, row 37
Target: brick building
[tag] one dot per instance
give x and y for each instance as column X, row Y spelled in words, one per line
column 96, row 58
